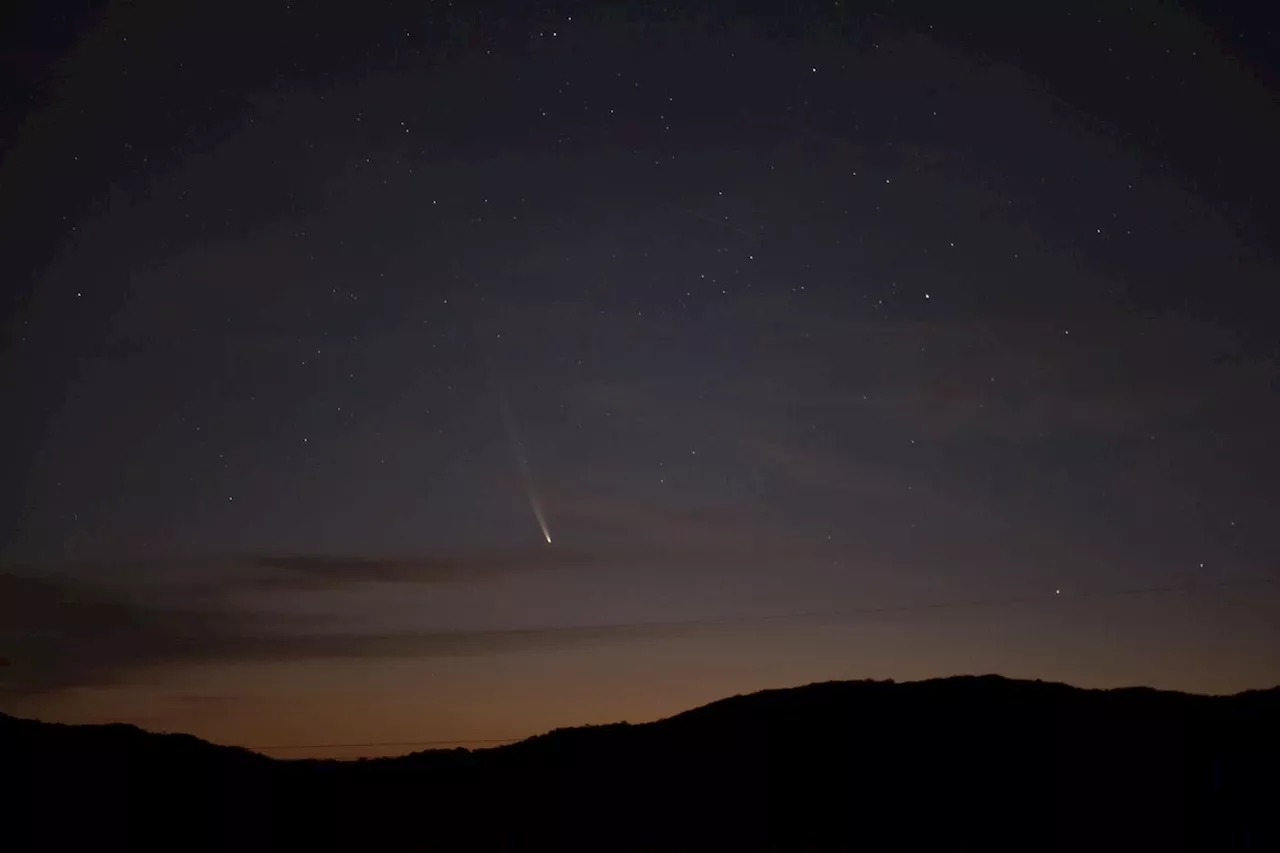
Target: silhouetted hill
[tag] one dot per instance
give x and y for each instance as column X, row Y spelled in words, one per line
column 973, row 763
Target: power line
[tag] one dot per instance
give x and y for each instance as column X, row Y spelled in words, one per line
column 1057, row 595
column 384, row 744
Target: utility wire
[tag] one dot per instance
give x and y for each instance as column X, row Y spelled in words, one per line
column 1057, row 595
column 385, row 743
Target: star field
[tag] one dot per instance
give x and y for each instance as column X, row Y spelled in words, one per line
column 319, row 322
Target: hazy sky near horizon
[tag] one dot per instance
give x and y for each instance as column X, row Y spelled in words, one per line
column 889, row 343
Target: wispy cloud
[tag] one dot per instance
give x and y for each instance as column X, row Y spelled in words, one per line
column 1036, row 379
column 319, row 571
column 960, row 378
column 58, row 632
column 62, row 631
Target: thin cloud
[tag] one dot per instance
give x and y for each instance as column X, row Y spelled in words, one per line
column 64, row 631
column 60, row 632
column 319, row 571
column 1034, row 379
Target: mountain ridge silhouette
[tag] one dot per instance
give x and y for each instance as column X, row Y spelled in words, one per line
column 968, row 762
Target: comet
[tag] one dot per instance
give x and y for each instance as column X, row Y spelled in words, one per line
column 522, row 466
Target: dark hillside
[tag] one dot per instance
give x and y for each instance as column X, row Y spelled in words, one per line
column 974, row 763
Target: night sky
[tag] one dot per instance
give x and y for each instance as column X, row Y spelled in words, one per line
column 411, row 372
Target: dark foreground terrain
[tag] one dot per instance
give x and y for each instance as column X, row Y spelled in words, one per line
column 956, row 764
